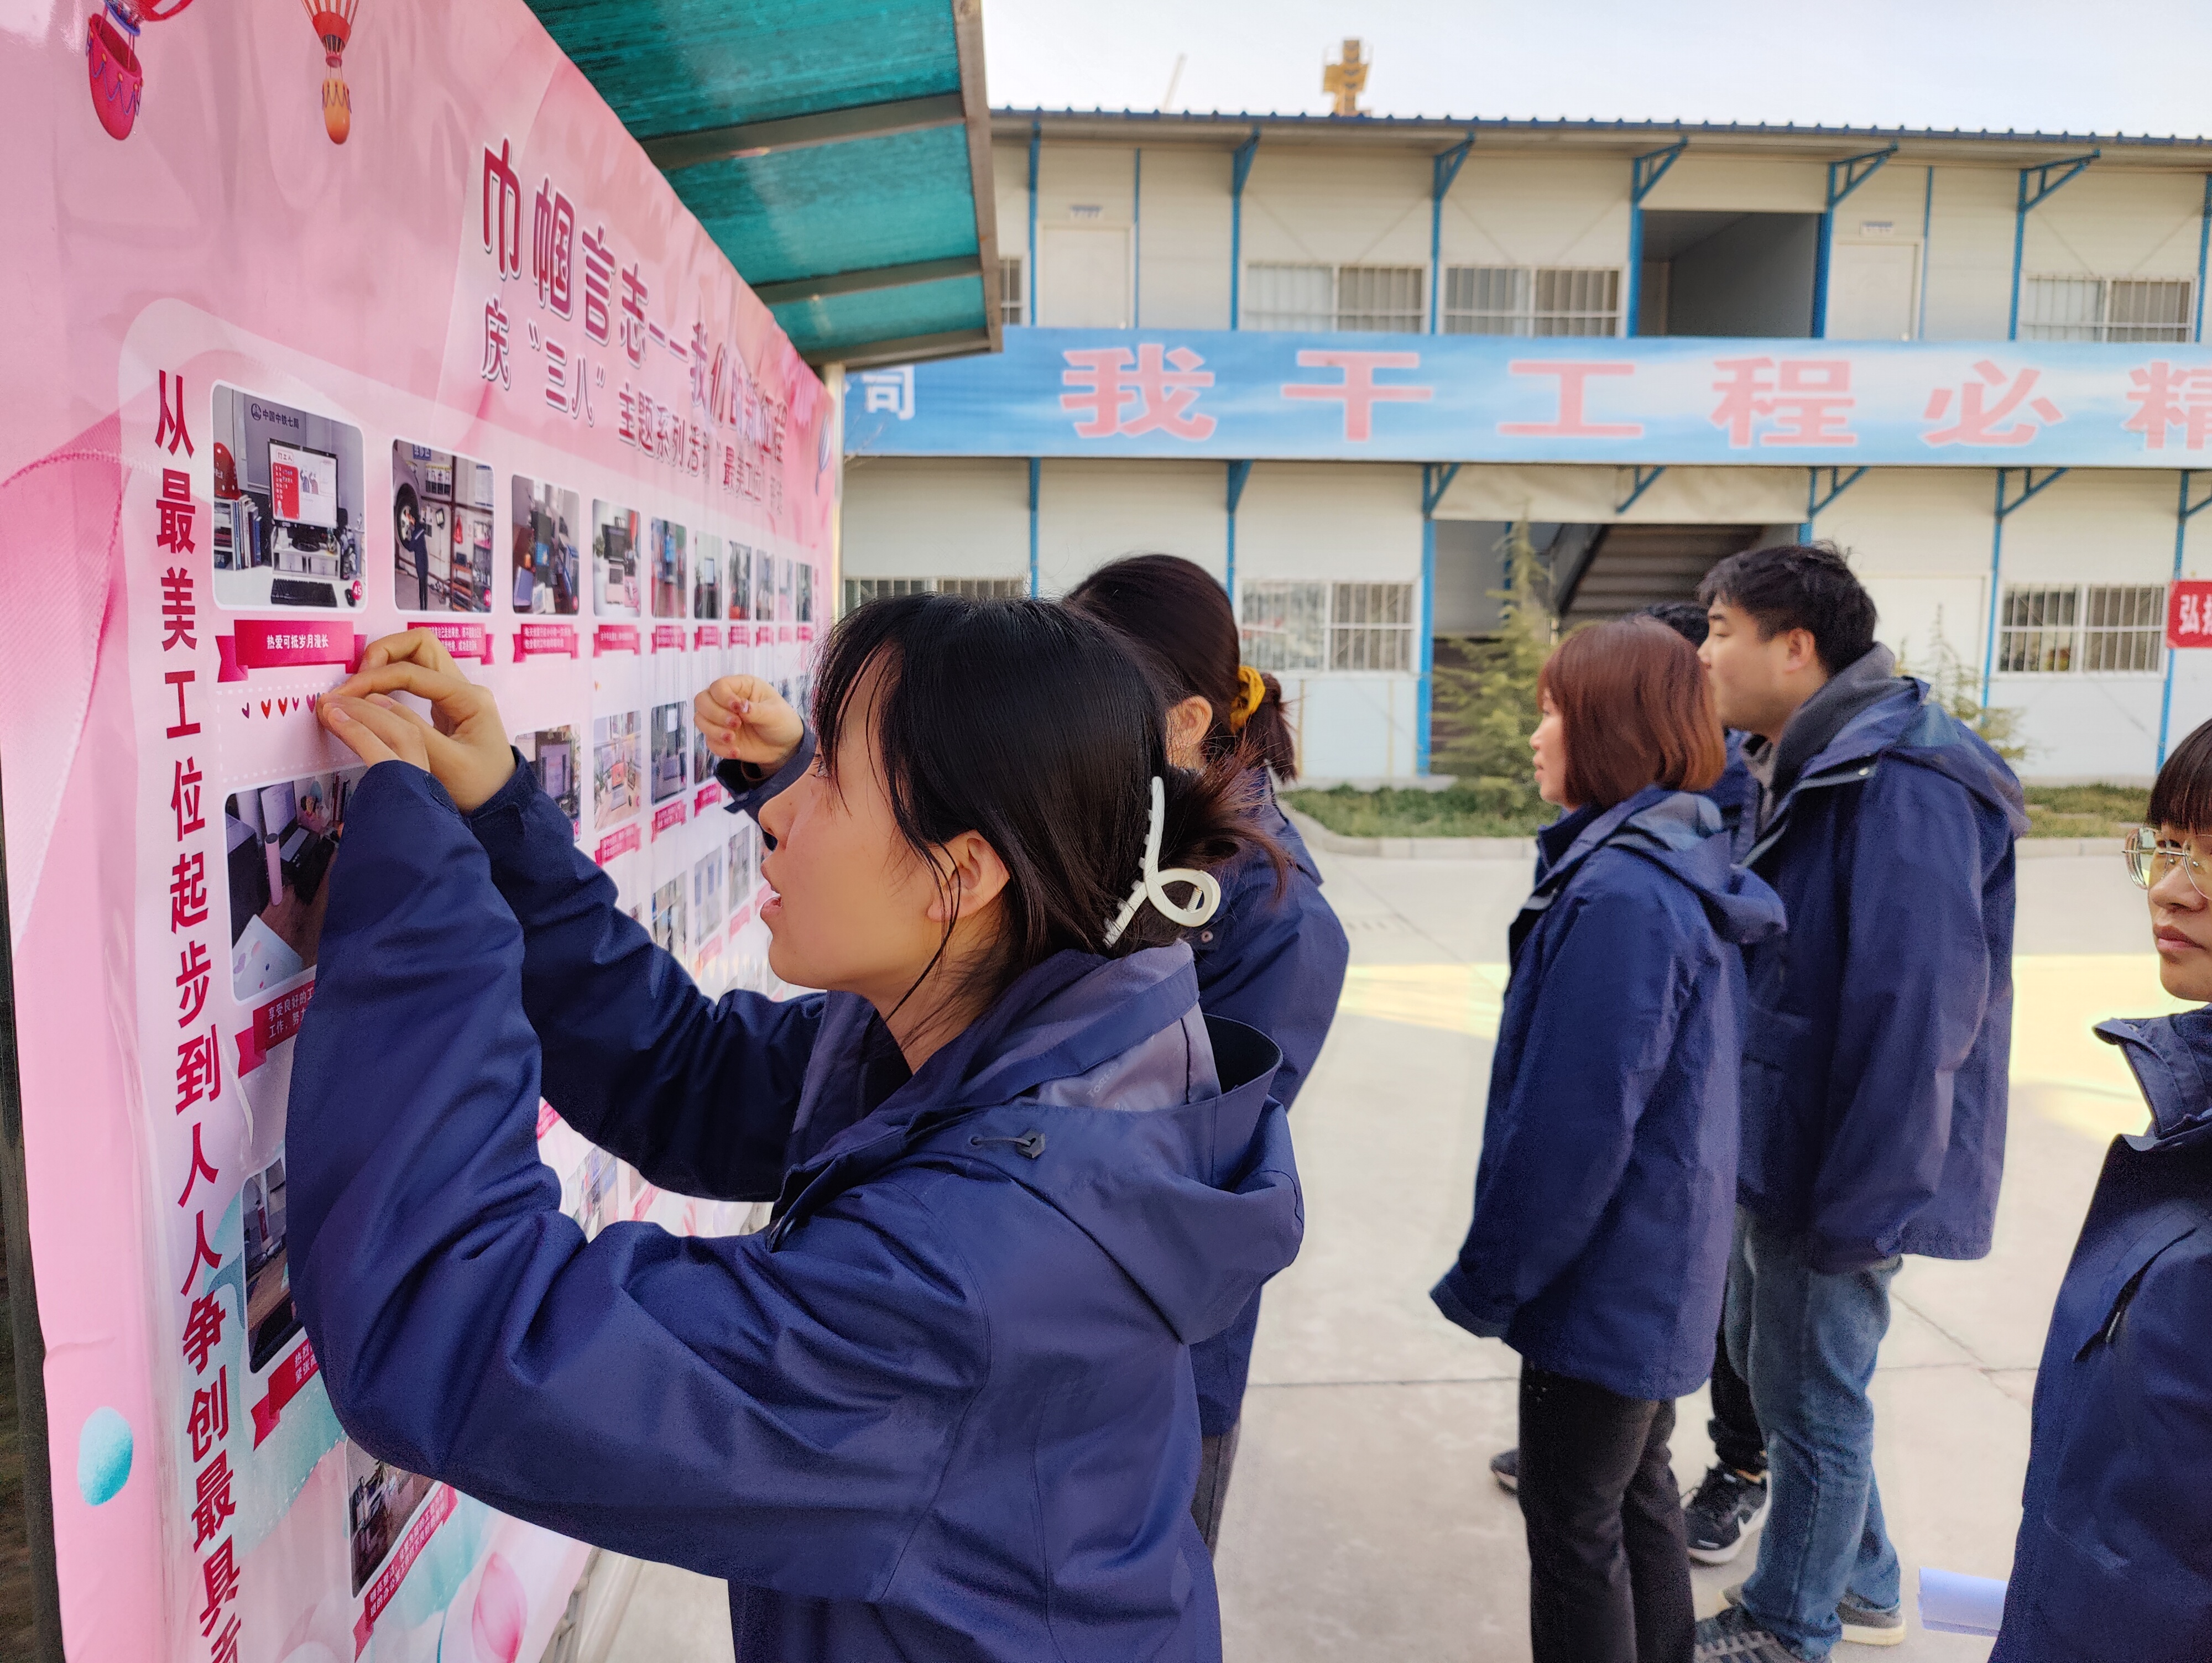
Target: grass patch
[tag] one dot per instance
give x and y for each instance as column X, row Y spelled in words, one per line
column 1475, row 808
column 2084, row 810
column 1506, row 808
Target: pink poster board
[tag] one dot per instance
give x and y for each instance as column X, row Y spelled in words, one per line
column 322, row 321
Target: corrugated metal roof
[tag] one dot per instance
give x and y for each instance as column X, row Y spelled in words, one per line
column 1460, row 126
column 837, row 151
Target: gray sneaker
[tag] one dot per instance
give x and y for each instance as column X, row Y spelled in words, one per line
column 1736, row 1636
column 1864, row 1624
column 1505, row 1468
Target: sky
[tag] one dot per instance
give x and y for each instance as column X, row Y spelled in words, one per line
column 2130, row 66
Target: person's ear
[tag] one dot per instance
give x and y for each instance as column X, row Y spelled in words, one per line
column 1189, row 721
column 974, row 878
column 1803, row 653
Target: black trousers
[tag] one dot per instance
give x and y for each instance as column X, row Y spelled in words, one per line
column 1216, row 1458
column 1737, row 1441
column 1608, row 1571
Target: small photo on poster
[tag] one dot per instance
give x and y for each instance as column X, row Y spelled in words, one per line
column 764, row 587
column 548, row 570
column 707, row 895
column 616, row 557
column 783, row 591
column 668, row 931
column 441, row 531
column 595, row 1197
column 805, row 593
column 617, row 767
column 702, row 760
column 270, row 1317
column 706, row 575
column 667, row 541
column 379, row 1501
column 670, row 763
column 737, row 572
column 551, row 754
column 281, row 841
column 289, row 497
column 743, row 863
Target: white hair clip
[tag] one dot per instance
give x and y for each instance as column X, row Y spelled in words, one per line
column 1152, row 882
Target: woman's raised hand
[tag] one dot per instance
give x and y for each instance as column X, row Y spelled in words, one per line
column 464, row 745
column 744, row 719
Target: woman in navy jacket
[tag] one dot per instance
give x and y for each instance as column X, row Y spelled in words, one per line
column 1274, row 956
column 1607, row 1189
column 2114, row 1562
column 942, row 1407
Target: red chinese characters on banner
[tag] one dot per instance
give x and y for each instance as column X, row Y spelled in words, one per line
column 2189, row 614
column 2171, row 398
column 1162, row 386
column 1791, row 401
column 502, row 210
column 553, row 236
column 1357, row 390
column 1978, row 419
column 1571, row 422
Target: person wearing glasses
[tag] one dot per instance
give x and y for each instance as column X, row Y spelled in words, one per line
column 2114, row 1558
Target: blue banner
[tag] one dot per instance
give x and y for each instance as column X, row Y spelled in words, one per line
column 1253, row 394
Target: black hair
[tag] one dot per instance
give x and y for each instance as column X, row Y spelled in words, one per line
column 1033, row 725
column 2183, row 796
column 1180, row 620
column 1686, row 618
column 1798, row 586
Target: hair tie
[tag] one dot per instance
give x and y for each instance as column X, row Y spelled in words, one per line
column 1151, row 882
column 1251, row 693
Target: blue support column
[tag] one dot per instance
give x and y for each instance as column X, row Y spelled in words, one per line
column 1239, row 472
column 1844, row 178
column 2203, row 247
column 1646, row 171
column 1137, row 241
column 1436, row 480
column 1037, row 142
column 2030, row 196
column 1036, row 478
column 1816, row 498
column 1444, row 168
column 2030, row 486
column 1240, row 169
column 2185, row 511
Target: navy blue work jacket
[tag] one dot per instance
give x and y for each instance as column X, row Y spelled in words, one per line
column 2114, row 1561
column 1270, row 958
column 941, row 1408
column 1880, row 1033
column 1605, row 1200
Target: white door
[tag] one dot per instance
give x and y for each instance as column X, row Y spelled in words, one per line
column 1871, row 293
column 1085, row 280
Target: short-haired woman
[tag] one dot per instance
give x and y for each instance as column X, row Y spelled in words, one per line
column 1606, row 1195
column 2114, row 1560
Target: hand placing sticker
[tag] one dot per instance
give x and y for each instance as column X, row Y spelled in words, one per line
column 465, row 745
column 744, row 718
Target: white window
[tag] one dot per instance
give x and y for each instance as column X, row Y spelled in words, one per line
column 859, row 591
column 2094, row 628
column 1011, row 292
column 1334, row 297
column 1326, row 626
column 1515, row 299
column 2106, row 309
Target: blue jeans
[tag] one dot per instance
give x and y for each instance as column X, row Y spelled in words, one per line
column 1805, row 1342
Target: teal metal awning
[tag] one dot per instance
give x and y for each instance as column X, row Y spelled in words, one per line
column 838, row 150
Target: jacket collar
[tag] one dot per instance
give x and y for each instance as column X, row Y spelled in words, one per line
column 1567, row 842
column 2172, row 1057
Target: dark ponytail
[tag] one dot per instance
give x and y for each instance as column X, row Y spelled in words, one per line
column 1034, row 726
column 1181, row 621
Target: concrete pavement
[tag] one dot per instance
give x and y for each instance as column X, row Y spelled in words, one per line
column 1363, row 1523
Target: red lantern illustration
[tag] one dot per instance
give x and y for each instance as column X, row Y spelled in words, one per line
column 111, row 51
column 332, row 21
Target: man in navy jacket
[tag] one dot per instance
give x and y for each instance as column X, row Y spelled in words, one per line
column 1876, row 1046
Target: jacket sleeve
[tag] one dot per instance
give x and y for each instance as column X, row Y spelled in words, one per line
column 782, row 1418
column 750, row 789
column 1556, row 1142
column 1914, row 990
column 1283, row 974
column 697, row 1095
